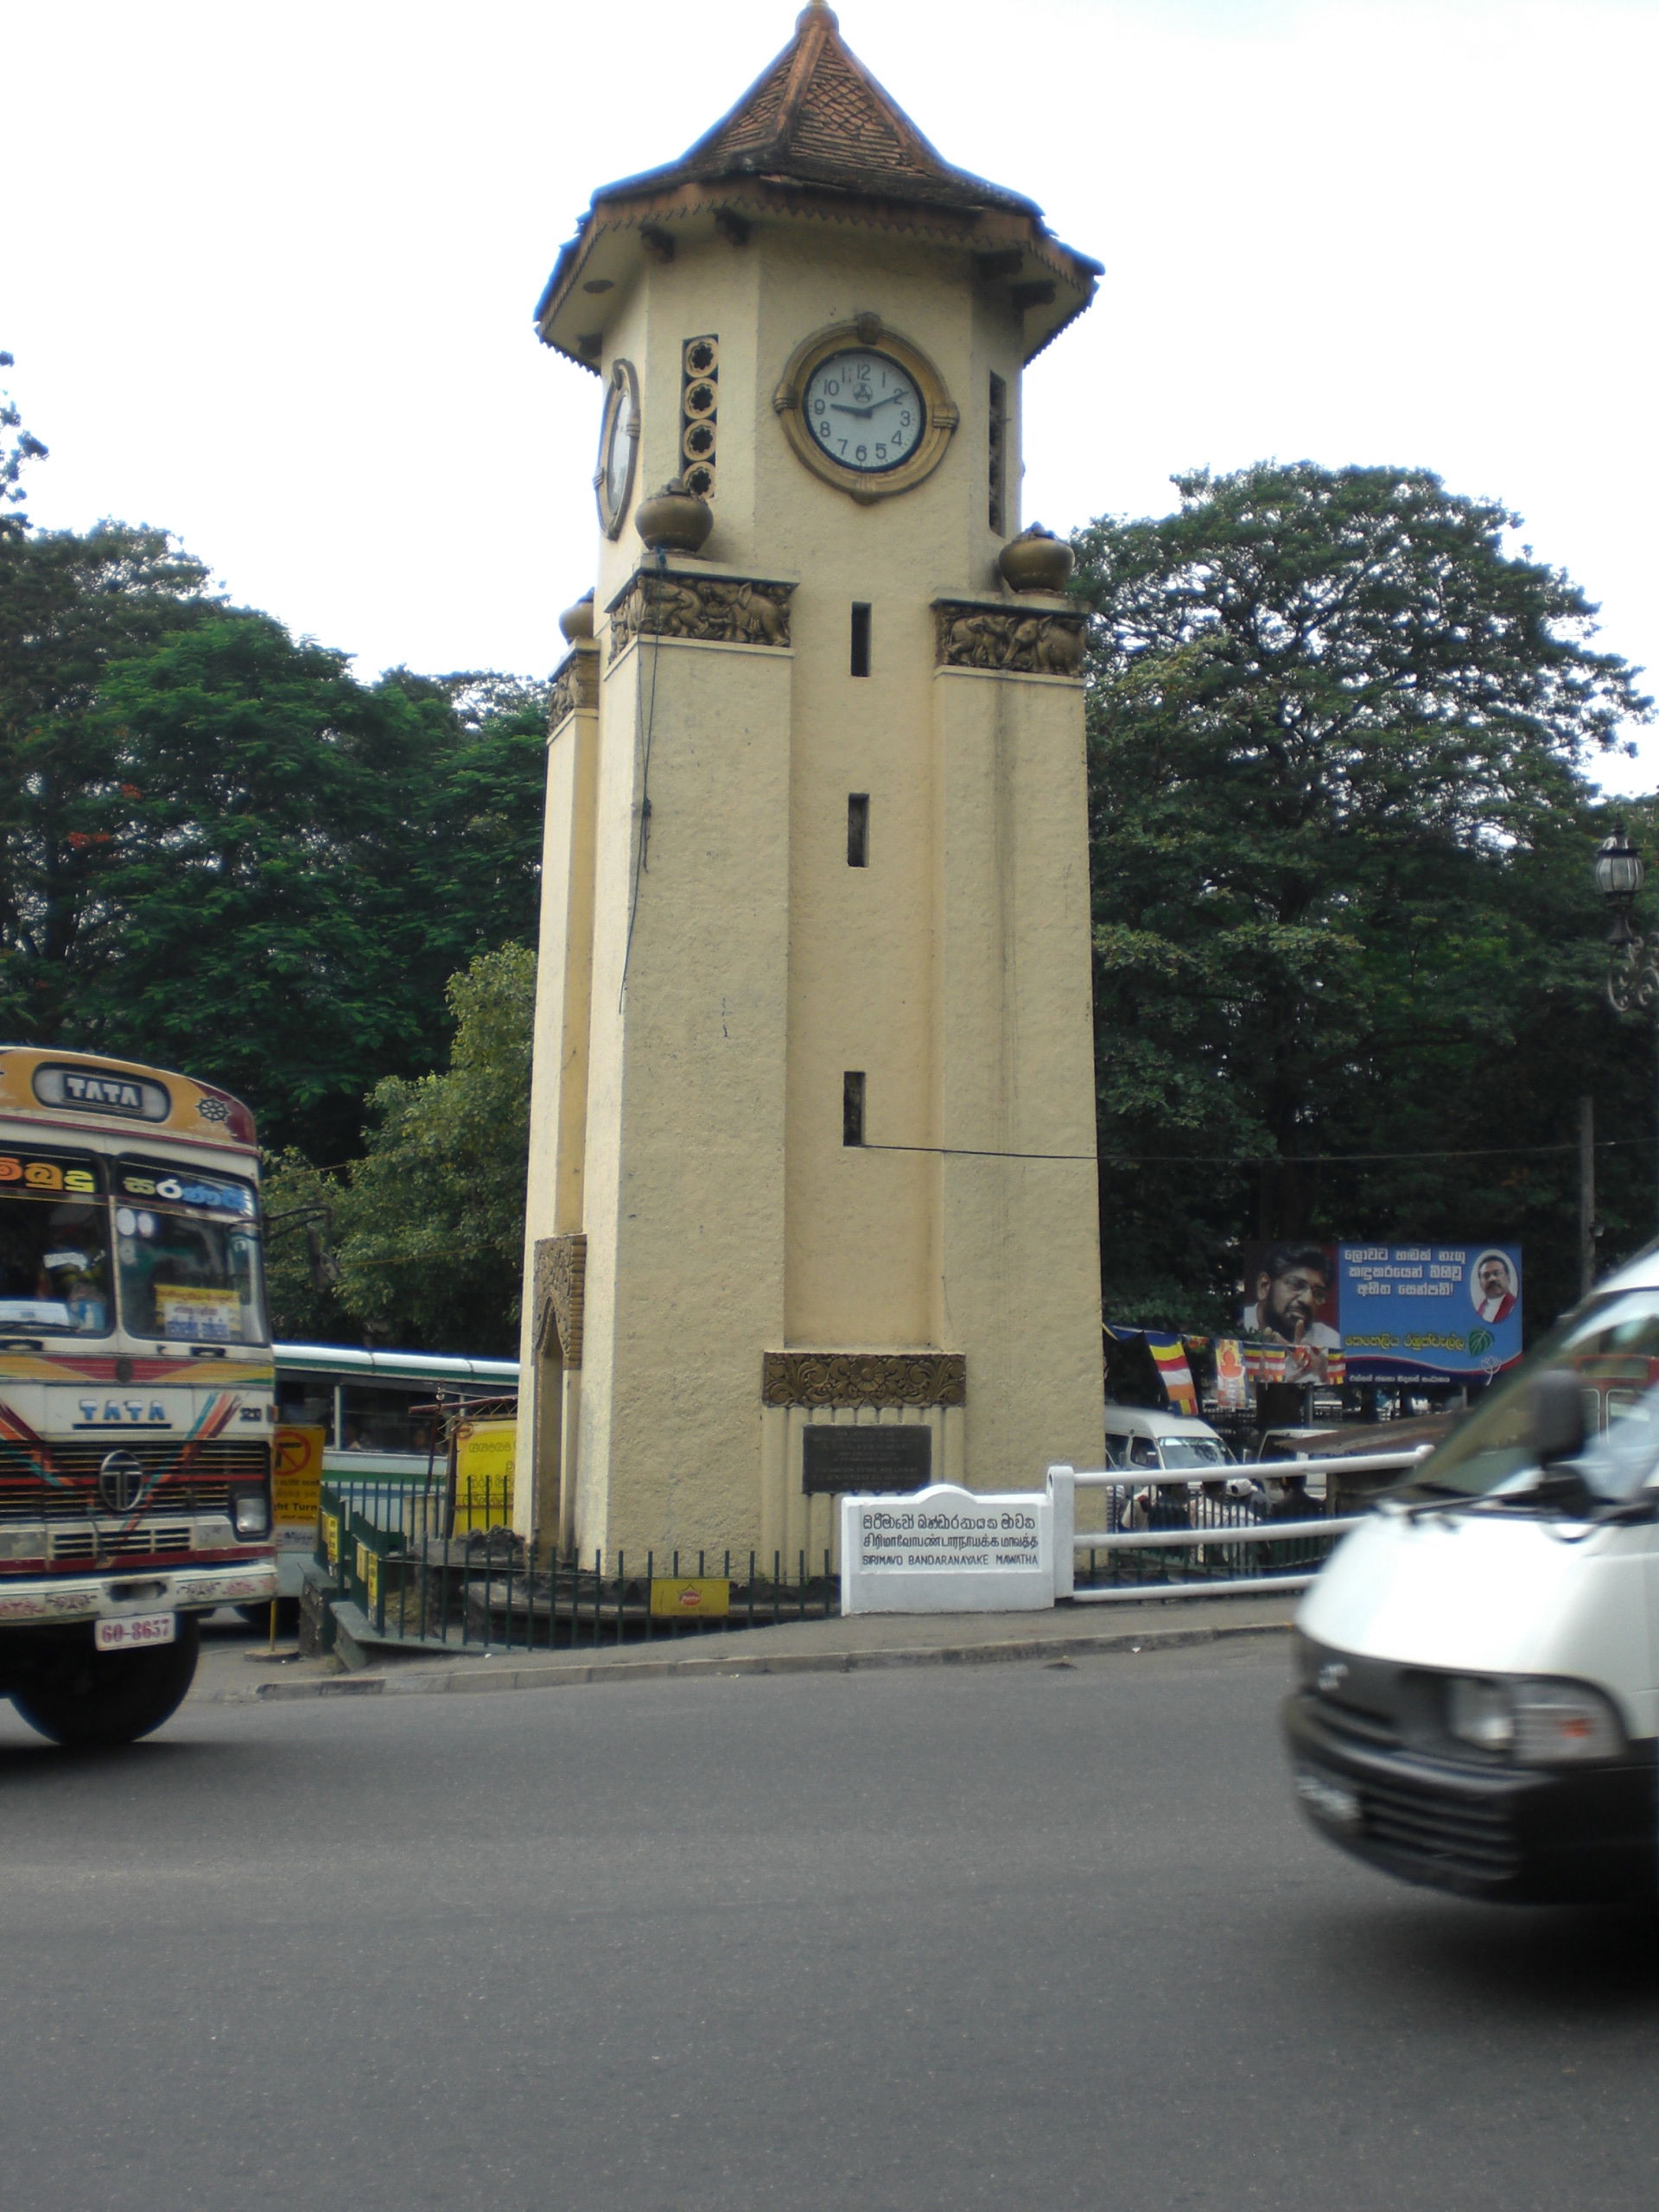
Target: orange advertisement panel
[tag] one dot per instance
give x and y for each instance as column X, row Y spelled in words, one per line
column 296, row 1476
column 707, row 1597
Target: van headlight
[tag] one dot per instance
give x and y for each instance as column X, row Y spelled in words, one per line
column 251, row 1514
column 1534, row 1723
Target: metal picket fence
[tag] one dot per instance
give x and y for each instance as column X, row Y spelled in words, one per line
column 420, row 1569
column 1181, row 1535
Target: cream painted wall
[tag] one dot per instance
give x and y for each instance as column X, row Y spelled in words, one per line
column 558, row 1104
column 686, row 1119
column 724, row 1216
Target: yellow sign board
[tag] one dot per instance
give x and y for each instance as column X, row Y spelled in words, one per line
column 296, row 1476
column 368, row 1573
column 331, row 1538
column 195, row 1315
column 708, row 1597
column 485, row 1455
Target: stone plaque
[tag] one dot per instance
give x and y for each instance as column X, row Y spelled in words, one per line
column 888, row 1456
column 946, row 1550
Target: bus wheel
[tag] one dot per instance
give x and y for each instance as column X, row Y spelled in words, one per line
column 88, row 1700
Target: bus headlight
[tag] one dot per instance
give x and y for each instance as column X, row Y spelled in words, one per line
column 1534, row 1723
column 251, row 1514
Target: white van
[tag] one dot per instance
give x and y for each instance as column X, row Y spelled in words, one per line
column 1477, row 1704
column 1137, row 1437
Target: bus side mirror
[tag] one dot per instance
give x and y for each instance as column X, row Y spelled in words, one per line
column 1557, row 1409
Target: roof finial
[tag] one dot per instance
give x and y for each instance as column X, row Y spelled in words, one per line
column 816, row 11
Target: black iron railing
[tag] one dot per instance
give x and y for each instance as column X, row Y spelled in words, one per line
column 417, row 1567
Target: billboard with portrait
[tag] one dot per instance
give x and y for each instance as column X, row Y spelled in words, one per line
column 1291, row 1310
column 1430, row 1313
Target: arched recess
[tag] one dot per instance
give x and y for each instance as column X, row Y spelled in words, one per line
column 560, row 1272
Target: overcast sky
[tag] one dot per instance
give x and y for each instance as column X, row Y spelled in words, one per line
column 269, row 269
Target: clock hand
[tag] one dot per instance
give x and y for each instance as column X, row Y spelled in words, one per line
column 835, row 408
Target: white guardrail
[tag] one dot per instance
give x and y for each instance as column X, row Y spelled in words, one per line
column 1064, row 1482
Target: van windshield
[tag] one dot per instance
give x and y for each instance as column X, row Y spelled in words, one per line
column 1612, row 1348
column 1192, row 1452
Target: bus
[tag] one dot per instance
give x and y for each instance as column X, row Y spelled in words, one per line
column 363, row 1417
column 136, row 1406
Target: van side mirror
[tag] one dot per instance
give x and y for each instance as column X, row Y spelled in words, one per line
column 1557, row 1409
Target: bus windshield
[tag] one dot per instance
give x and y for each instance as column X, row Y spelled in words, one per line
column 188, row 1251
column 55, row 1244
column 1611, row 1347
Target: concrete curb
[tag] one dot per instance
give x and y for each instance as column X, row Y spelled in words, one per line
column 480, row 1676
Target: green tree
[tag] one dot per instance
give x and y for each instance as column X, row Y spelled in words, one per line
column 430, row 1222
column 222, row 850
column 24, row 446
column 1341, row 830
column 72, row 606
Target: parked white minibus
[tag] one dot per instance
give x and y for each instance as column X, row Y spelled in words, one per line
column 1476, row 1699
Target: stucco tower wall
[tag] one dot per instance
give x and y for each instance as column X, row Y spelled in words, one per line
column 685, row 1184
column 558, row 1109
column 1017, row 1269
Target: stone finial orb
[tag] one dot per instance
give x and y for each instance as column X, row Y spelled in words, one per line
column 577, row 622
column 1035, row 561
column 674, row 520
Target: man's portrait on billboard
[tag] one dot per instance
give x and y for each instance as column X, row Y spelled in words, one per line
column 1292, row 1285
column 1493, row 1289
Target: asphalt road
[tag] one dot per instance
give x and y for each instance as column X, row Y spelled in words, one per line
column 1023, row 1938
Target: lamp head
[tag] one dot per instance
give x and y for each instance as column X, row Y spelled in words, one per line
column 1618, row 869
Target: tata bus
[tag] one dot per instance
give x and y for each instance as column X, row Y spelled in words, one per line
column 136, row 1406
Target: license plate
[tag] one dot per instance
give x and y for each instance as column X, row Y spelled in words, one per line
column 135, row 1631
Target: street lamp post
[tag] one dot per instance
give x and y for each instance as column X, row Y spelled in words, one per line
column 1632, row 959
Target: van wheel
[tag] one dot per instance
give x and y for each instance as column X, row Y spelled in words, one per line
column 88, row 1700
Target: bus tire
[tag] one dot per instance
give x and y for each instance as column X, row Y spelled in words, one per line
column 87, row 1699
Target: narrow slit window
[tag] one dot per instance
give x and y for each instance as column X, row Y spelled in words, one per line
column 998, row 455
column 858, row 830
column 852, row 1106
column 861, row 662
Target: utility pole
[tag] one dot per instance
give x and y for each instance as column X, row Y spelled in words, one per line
column 1587, row 1195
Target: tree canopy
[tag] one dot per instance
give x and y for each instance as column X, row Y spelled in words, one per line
column 1341, row 829
column 222, row 850
column 426, row 1230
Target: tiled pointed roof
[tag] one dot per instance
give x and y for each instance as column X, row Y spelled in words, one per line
column 815, row 138
column 817, row 117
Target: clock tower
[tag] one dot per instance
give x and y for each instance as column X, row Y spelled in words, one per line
column 812, row 1201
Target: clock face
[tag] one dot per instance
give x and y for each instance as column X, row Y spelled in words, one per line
column 618, row 460
column 862, row 410
column 619, row 440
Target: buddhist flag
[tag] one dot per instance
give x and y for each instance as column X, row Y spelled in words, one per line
column 1170, row 1354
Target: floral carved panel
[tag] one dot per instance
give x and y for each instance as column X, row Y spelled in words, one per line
column 561, row 1269
column 1011, row 640
column 705, row 610
column 855, row 1378
column 575, row 685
